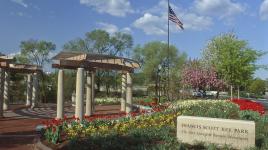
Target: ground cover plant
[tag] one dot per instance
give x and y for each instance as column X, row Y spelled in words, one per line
column 150, row 131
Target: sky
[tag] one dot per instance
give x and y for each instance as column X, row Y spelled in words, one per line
column 60, row 21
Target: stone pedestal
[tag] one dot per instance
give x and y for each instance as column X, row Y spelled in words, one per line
column 129, row 94
column 89, row 94
column 2, row 80
column 79, row 106
column 6, row 90
column 123, row 93
column 239, row 134
column 60, row 95
column 29, row 90
column 35, row 90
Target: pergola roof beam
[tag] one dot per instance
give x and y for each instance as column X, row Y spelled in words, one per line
column 73, row 60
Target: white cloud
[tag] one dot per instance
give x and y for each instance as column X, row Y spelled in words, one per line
column 13, row 54
column 195, row 22
column 224, row 9
column 150, row 24
column 154, row 20
column 126, row 30
column 264, row 10
column 111, row 28
column 118, row 8
column 20, row 14
column 20, row 2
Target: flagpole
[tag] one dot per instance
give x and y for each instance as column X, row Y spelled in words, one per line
column 168, row 52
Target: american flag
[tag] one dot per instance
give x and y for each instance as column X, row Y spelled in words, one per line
column 172, row 17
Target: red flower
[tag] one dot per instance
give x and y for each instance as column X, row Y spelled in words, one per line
column 249, row 105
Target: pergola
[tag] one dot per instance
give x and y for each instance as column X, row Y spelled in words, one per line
column 89, row 63
column 6, row 67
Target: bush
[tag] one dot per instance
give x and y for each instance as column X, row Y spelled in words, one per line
column 249, row 115
column 208, row 108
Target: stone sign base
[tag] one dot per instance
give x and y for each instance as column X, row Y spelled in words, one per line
column 236, row 133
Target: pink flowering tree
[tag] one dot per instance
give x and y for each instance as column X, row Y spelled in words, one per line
column 201, row 78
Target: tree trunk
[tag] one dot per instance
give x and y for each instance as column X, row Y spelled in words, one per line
column 217, row 95
column 238, row 92
column 107, row 89
column 156, row 88
column 231, row 92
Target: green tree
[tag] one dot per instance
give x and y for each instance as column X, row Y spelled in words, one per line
column 101, row 42
column 257, row 87
column 153, row 57
column 35, row 52
column 233, row 59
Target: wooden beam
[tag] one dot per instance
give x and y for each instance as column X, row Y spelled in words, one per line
column 20, row 68
column 71, row 64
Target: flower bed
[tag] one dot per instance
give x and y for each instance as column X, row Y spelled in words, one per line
column 207, row 108
column 107, row 101
column 245, row 104
column 58, row 131
column 148, row 131
column 153, row 103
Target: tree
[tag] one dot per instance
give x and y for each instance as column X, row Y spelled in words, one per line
column 201, row 78
column 257, row 87
column 153, row 57
column 233, row 59
column 101, row 42
column 35, row 52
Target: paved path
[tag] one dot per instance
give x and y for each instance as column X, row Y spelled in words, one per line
column 17, row 128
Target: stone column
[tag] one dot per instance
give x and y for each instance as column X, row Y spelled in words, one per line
column 29, row 89
column 60, row 95
column 89, row 94
column 73, row 98
column 129, row 94
column 123, row 93
column 79, row 106
column 6, row 90
column 93, row 91
column 2, row 80
column 34, row 91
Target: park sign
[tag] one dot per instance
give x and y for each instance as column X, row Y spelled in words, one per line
column 236, row 133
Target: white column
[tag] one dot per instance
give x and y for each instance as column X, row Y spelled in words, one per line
column 2, row 80
column 79, row 106
column 34, row 91
column 89, row 95
column 123, row 93
column 60, row 95
column 29, row 90
column 6, row 90
column 73, row 98
column 93, row 91
column 129, row 94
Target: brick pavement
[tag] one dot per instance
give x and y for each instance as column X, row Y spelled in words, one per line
column 17, row 128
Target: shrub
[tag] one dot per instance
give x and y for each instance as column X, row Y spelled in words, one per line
column 208, row 108
column 249, row 115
